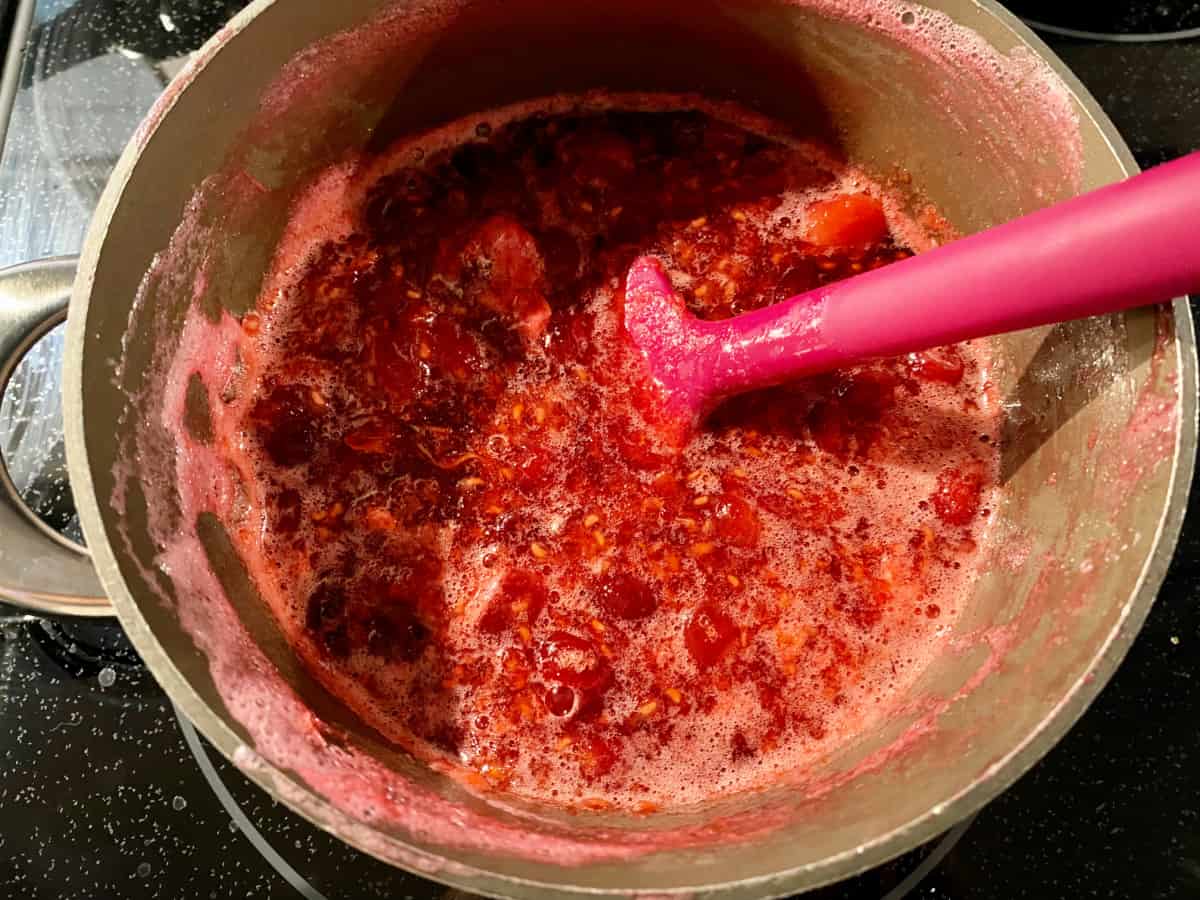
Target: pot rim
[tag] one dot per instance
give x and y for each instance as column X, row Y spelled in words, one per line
column 936, row 820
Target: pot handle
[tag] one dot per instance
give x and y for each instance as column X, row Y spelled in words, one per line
column 39, row 569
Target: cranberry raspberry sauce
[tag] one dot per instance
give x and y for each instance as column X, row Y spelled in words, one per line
column 460, row 510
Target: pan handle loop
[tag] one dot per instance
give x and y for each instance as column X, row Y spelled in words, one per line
column 40, row 569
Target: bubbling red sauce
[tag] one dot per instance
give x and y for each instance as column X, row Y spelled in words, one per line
column 460, row 509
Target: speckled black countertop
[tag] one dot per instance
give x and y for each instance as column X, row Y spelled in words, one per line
column 105, row 794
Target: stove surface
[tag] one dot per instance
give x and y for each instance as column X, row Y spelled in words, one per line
column 1114, row 20
column 107, row 793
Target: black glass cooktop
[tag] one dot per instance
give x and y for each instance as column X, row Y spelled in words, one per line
column 1113, row 20
column 106, row 793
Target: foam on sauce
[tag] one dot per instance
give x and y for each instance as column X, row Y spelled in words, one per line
column 344, row 787
column 707, row 621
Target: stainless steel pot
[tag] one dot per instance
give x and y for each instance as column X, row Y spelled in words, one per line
column 1098, row 453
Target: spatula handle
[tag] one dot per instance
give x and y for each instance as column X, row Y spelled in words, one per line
column 1129, row 244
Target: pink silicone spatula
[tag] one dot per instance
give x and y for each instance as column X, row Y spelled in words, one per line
column 1128, row 244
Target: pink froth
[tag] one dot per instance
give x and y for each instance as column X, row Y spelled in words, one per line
column 283, row 732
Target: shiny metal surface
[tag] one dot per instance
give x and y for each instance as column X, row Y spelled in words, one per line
column 90, row 71
column 40, row 569
column 983, row 742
